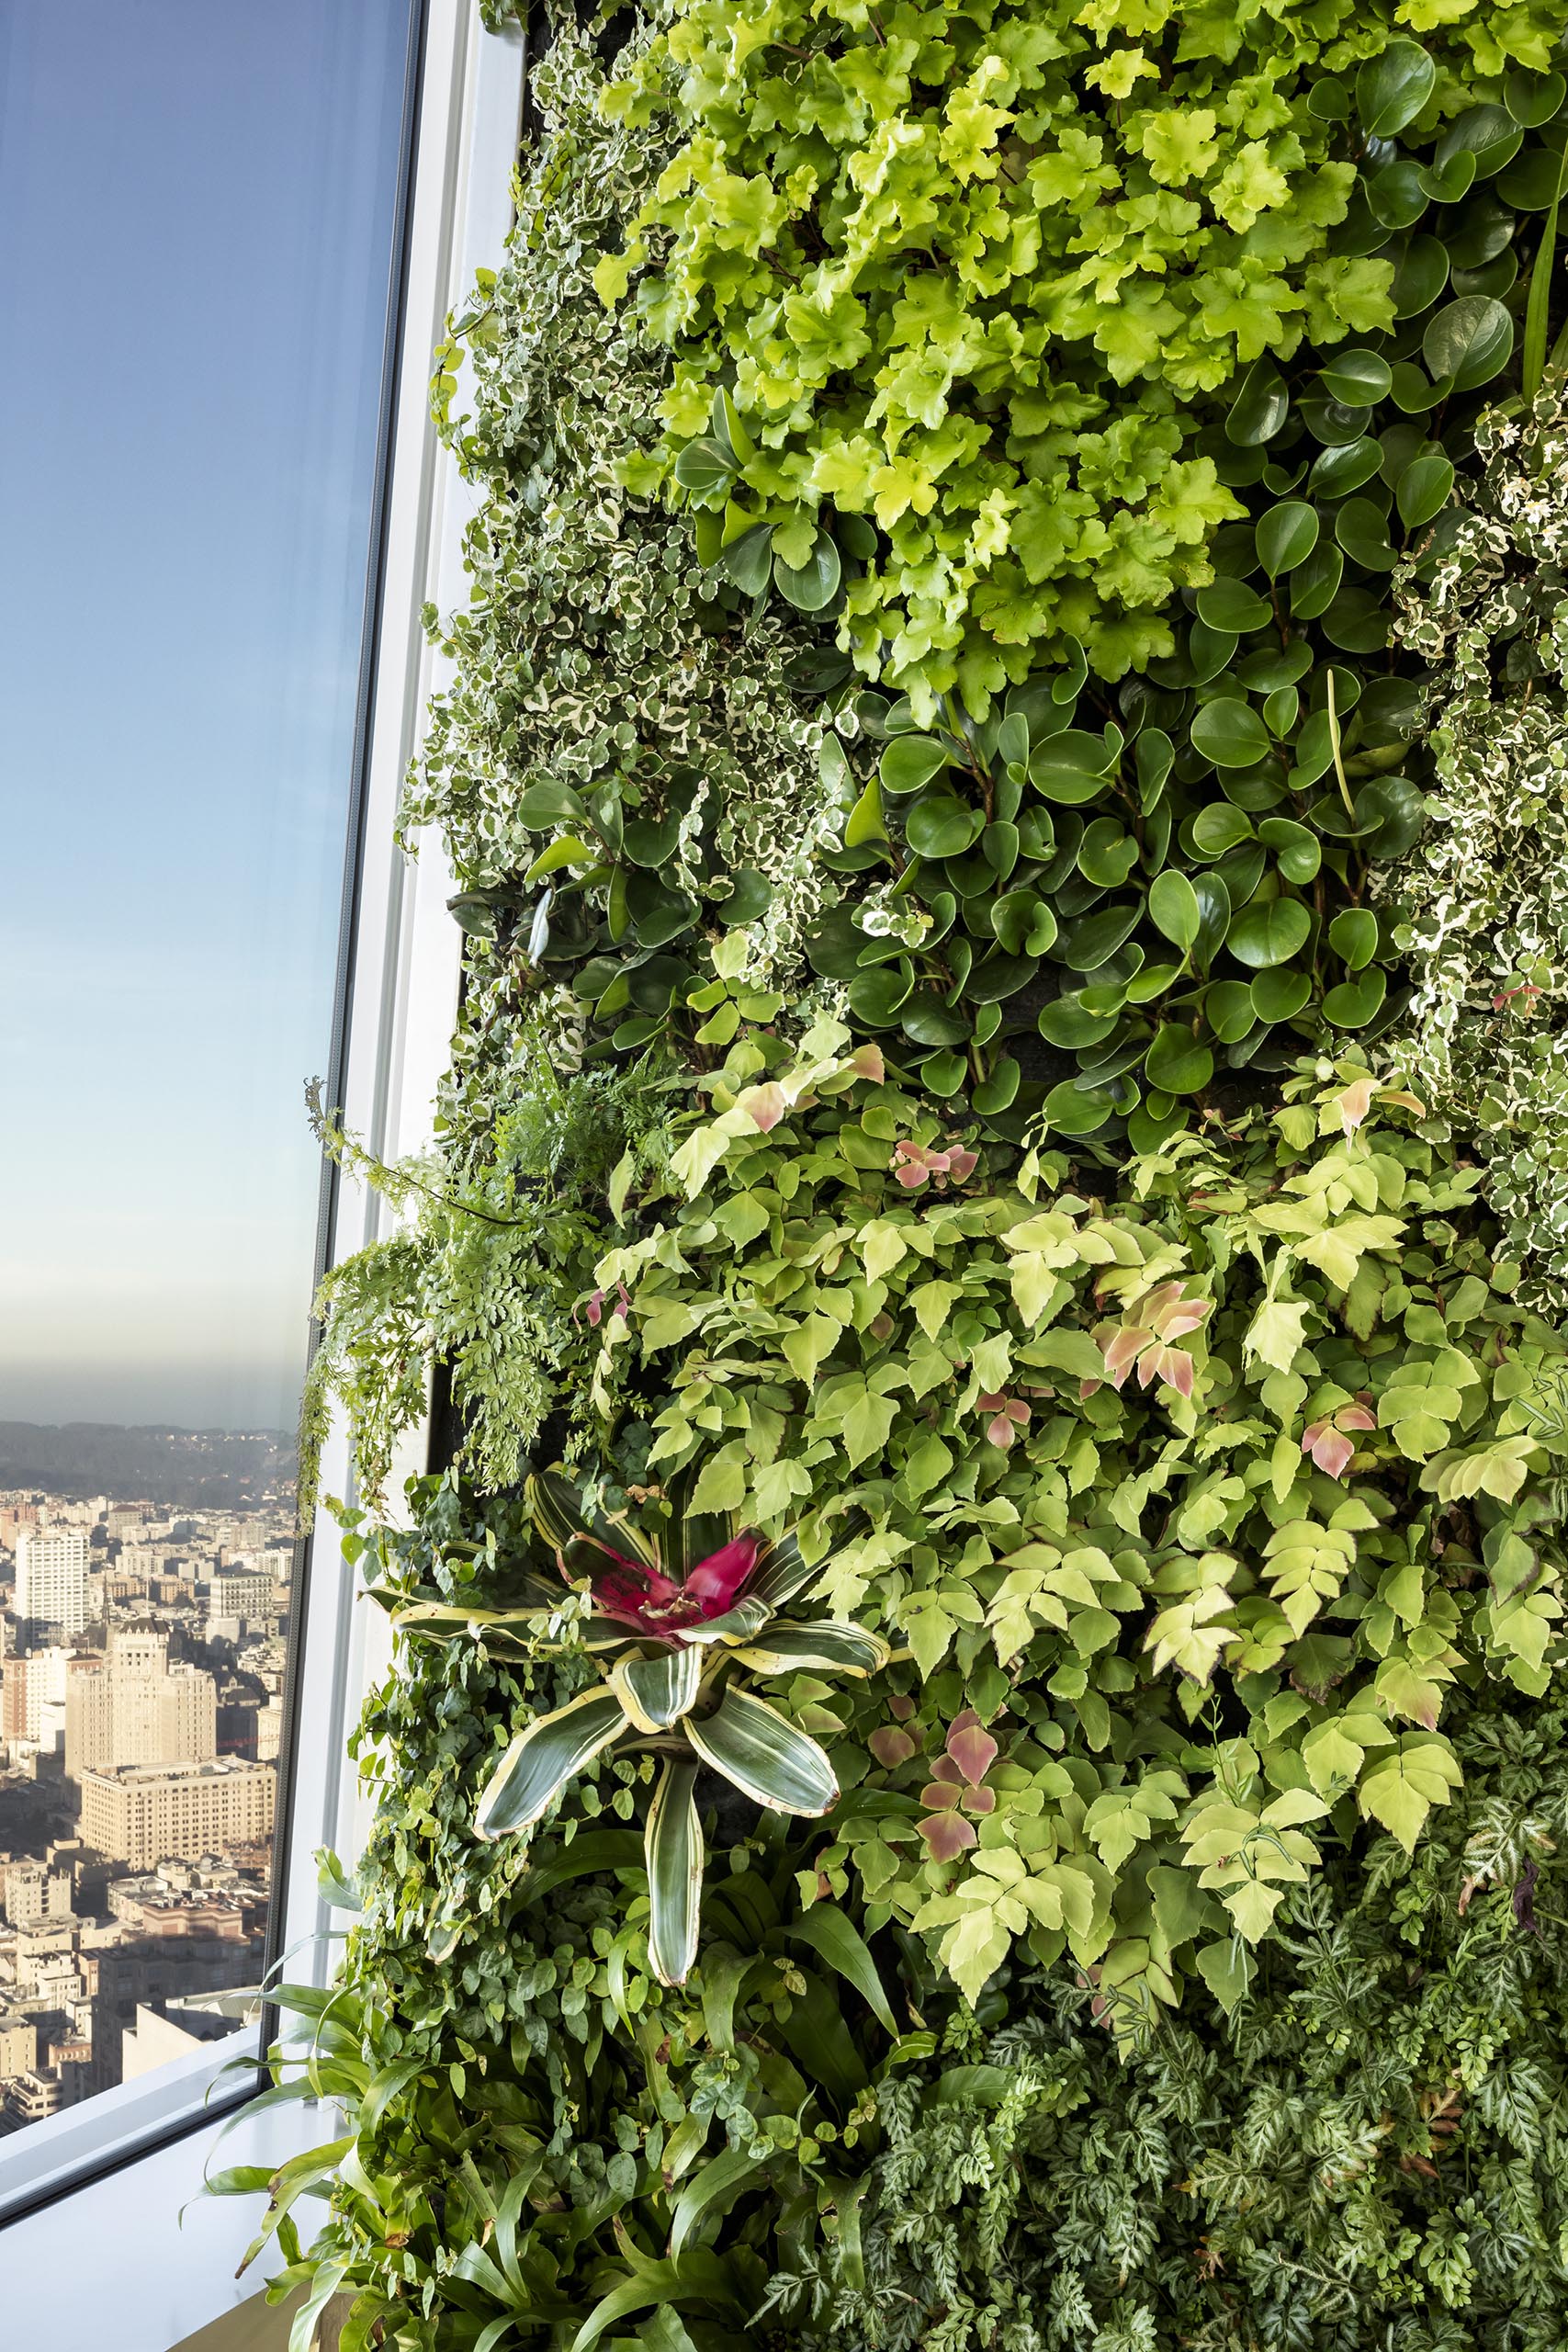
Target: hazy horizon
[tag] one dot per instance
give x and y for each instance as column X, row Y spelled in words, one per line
column 198, row 206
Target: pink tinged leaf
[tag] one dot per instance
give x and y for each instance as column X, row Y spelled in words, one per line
column 962, row 1165
column 716, row 1583
column 973, row 1750
column 947, row 1835
column 623, row 1304
column 991, row 1402
column 1172, row 1365
column 1328, row 1449
column 1088, row 1388
column 596, row 1307
column 866, row 1062
column 945, row 1768
column 890, row 1746
column 902, row 1706
column 1018, row 1411
column 912, row 1178
column 1355, row 1103
column 1355, row 1417
column 940, row 1796
column 763, row 1106
column 1122, row 1352
column 1184, row 1318
column 964, row 1721
column 979, row 1801
column 1000, row 1431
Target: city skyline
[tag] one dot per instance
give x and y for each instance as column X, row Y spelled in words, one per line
column 143, row 1648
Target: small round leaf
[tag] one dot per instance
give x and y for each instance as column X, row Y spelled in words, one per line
column 1353, row 935
column 1287, row 535
column 1267, row 933
column 1392, row 89
column 1468, row 342
column 1174, row 909
column 1230, row 733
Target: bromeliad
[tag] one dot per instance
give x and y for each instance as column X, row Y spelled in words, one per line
column 674, row 1619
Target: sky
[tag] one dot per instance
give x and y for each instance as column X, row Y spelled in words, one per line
column 196, row 226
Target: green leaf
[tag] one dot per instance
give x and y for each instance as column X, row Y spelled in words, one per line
column 1174, row 909
column 1260, row 408
column 940, row 826
column 1392, row 89
column 541, row 1760
column 909, row 761
column 1468, row 342
column 1230, row 733
column 814, row 584
column 1287, row 536
column 1353, row 935
column 1487, row 132
column 1177, row 1063
column 674, row 1850
column 1268, row 933
column 1296, row 847
column 1232, row 605
column 1424, row 489
column 710, row 2193
column 1353, row 1003
column 753, row 1744
column 706, row 468
column 834, row 1938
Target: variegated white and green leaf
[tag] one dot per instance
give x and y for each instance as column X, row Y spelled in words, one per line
column 543, row 1758
column 657, row 1691
column 764, row 1755
column 738, row 1624
column 672, row 1843
column 831, row 1643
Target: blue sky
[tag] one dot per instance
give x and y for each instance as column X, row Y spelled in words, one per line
column 195, row 205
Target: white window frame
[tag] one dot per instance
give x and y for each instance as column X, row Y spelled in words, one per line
column 95, row 2253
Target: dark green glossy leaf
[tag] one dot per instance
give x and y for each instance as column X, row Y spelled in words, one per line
column 1230, row 733
column 1074, row 1110
column 1232, row 605
column 1214, row 916
column 1107, row 852
column 1286, row 536
column 940, row 826
column 1174, row 910
column 1229, row 1012
column 748, row 561
column 1177, row 1063
column 1336, row 473
column 942, row 1074
column 1087, row 944
column 1260, row 408
column 1268, row 933
column 1295, row 847
column 1071, row 1025
column 1487, row 132
column 927, row 1021
column 1023, row 923
column 1469, row 341
column 1315, row 583
column 1357, row 622
column 1328, row 100
column 814, row 584
column 1423, row 490
column 1353, row 935
column 1355, row 1002
column 910, row 760
column 1152, row 753
column 1391, row 88
column 1278, row 995
column 997, row 1092
column 1393, row 815
column 1533, row 98
column 1445, row 183
column 1361, row 530
column 1419, row 276
column 1534, row 182
column 1397, row 199
column 1212, row 831
column 707, row 467
column 877, row 995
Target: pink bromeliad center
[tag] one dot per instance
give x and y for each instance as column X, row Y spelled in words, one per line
column 654, row 1605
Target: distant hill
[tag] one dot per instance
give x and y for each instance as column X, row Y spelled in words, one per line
column 215, row 1469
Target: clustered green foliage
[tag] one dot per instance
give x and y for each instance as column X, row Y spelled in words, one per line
column 1018, row 1147
column 969, row 271
column 1483, row 908
column 1373, row 2153
column 619, row 768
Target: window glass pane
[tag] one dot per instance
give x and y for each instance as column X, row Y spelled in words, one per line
column 198, row 202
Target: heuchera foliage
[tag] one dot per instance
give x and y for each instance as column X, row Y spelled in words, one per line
column 969, row 271
column 974, row 1753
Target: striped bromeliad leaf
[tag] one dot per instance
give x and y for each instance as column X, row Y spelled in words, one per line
column 657, row 1691
column 825, row 1642
column 543, row 1758
column 764, row 1755
column 673, row 1845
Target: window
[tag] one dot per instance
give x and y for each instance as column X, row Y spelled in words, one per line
column 204, row 208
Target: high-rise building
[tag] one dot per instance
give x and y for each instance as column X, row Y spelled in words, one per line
column 32, row 1695
column 134, row 1708
column 52, row 1578
column 242, row 1590
column 142, row 1814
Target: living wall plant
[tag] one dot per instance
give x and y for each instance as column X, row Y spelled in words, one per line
column 972, row 1753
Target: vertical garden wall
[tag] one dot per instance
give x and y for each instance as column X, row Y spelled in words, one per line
column 976, row 1757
